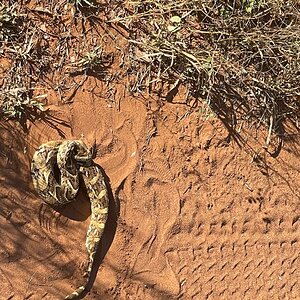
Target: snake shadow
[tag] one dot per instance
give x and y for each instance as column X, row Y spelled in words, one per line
column 79, row 210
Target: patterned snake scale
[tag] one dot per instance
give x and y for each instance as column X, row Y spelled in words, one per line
column 55, row 170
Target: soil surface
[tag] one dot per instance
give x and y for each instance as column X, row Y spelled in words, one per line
column 194, row 212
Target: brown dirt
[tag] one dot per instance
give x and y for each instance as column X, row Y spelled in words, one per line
column 197, row 215
column 194, row 214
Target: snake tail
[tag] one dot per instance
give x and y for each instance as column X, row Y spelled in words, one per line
column 92, row 177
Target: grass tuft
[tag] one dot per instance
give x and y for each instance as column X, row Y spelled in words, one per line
column 241, row 57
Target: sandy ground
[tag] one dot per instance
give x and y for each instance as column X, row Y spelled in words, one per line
column 193, row 213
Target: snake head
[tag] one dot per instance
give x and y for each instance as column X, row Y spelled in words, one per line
column 82, row 154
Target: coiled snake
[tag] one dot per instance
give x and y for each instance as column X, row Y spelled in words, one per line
column 55, row 170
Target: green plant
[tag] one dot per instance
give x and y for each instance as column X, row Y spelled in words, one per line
column 90, row 61
column 17, row 103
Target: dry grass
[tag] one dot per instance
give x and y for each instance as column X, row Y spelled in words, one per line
column 43, row 48
column 240, row 56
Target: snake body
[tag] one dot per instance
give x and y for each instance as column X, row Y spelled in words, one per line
column 55, row 170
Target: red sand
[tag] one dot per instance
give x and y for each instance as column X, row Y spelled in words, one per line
column 193, row 215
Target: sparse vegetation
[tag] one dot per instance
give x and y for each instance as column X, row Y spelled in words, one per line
column 241, row 57
column 16, row 103
column 43, row 48
column 92, row 62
